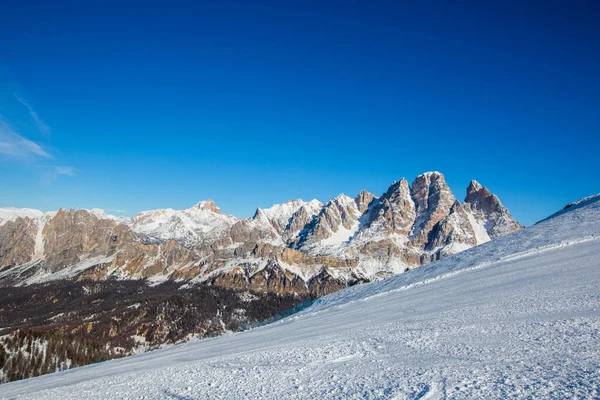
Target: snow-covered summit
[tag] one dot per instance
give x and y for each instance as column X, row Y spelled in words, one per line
column 186, row 226
column 102, row 214
column 208, row 205
column 12, row 213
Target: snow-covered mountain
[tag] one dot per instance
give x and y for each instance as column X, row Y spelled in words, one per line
column 12, row 213
column 185, row 226
column 296, row 246
column 516, row 317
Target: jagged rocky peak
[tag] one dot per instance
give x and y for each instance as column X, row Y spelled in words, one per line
column 489, row 210
column 395, row 210
column 259, row 214
column 208, row 205
column 363, row 200
column 481, row 198
column 398, row 192
column 476, row 191
column 338, row 216
column 346, row 209
column 297, row 222
column 454, row 233
column 301, row 219
column 257, row 229
column 433, row 200
column 280, row 215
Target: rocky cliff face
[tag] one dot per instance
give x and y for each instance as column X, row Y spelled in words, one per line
column 364, row 200
column 488, row 210
column 333, row 226
column 296, row 247
column 433, row 202
column 394, row 213
column 17, row 242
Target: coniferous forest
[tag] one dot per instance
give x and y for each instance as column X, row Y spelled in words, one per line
column 59, row 325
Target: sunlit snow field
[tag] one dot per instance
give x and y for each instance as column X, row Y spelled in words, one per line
column 516, row 317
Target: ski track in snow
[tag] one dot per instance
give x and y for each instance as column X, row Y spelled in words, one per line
column 518, row 317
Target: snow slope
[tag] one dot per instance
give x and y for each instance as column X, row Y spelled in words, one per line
column 517, row 317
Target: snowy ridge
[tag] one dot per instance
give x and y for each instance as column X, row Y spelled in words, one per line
column 186, row 226
column 43, row 275
column 101, row 214
column 12, row 213
column 516, row 317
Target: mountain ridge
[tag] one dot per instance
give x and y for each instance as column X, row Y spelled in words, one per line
column 345, row 241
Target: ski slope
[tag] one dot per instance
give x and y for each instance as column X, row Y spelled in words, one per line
column 517, row 317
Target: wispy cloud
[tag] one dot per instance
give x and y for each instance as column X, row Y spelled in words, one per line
column 51, row 173
column 14, row 145
column 70, row 171
column 17, row 147
column 34, row 115
column 116, row 211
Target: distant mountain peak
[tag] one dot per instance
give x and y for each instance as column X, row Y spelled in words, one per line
column 363, row 200
column 431, row 175
column 487, row 207
column 208, row 205
column 476, row 190
column 474, row 186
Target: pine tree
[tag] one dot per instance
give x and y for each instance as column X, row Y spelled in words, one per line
column 2, row 356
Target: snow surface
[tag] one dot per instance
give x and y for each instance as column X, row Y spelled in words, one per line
column 101, row 214
column 43, row 275
column 517, row 317
column 340, row 237
column 481, row 235
column 12, row 213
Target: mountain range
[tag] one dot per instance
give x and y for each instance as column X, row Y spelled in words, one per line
column 298, row 247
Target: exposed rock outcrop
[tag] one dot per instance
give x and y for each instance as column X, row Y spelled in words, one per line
column 487, row 209
column 433, row 200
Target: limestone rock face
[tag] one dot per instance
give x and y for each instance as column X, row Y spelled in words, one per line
column 487, row 209
column 364, row 200
column 433, row 201
column 279, row 215
column 73, row 242
column 395, row 211
column 298, row 221
column 17, row 242
column 72, row 235
column 335, row 224
column 255, row 229
column 454, row 231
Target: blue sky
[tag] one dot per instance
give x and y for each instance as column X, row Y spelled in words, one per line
column 132, row 107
